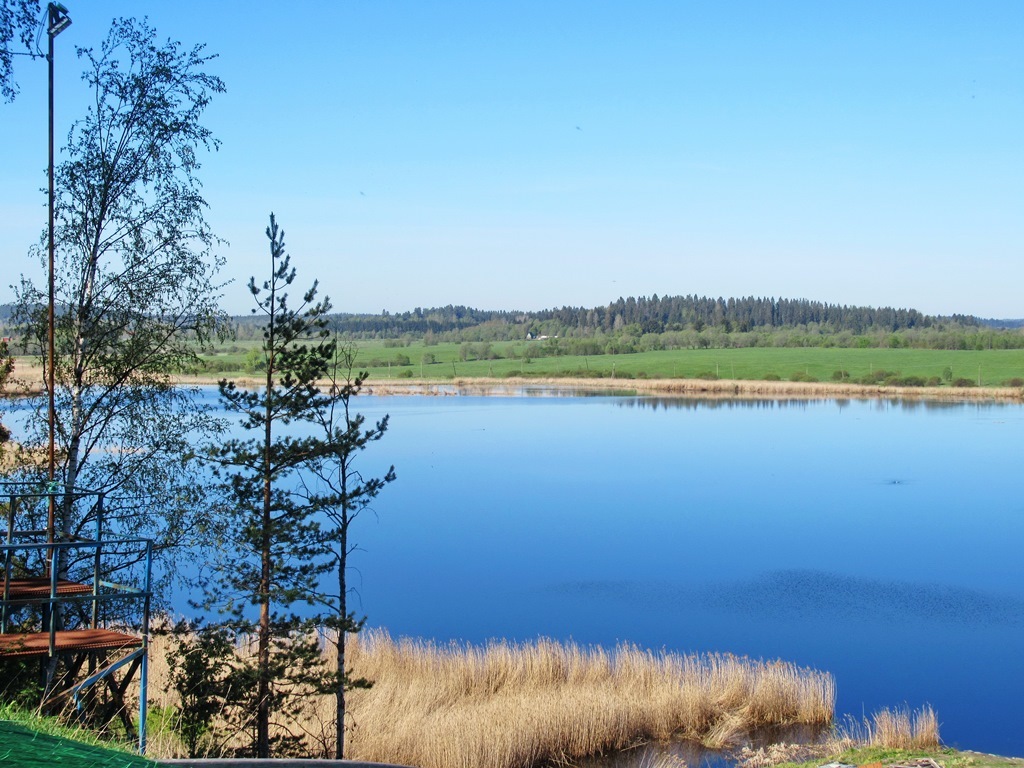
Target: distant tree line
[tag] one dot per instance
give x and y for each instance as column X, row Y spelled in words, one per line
column 675, row 322
column 653, row 314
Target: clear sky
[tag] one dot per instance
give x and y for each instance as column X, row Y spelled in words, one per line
column 534, row 153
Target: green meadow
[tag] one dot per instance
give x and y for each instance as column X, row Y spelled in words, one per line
column 396, row 360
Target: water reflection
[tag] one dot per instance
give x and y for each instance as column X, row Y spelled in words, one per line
column 732, row 402
column 877, row 540
column 806, row 594
column 689, row 754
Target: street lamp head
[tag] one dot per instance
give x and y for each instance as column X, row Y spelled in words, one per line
column 59, row 19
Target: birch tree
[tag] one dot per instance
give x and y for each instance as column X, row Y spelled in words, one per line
column 135, row 280
column 19, row 20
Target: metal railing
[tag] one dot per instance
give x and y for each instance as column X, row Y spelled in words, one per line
column 76, row 570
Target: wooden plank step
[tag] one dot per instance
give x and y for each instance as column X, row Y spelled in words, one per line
column 38, row 643
column 38, row 588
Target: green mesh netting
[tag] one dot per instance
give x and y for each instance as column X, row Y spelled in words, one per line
column 23, row 748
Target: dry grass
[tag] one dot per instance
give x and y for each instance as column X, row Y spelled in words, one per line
column 900, row 728
column 702, row 388
column 506, row 705
column 523, row 704
column 777, row 754
column 890, row 729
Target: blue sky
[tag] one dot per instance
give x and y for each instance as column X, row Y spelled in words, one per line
column 524, row 155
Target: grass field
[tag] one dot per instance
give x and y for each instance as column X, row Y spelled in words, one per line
column 985, row 368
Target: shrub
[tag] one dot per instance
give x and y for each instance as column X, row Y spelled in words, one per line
column 801, row 376
column 406, row 374
column 840, row 375
column 772, row 377
column 708, row 375
column 878, row 377
column 1014, row 382
column 203, row 672
column 962, row 382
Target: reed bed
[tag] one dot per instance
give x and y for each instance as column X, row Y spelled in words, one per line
column 901, row 728
column 519, row 705
column 703, row 388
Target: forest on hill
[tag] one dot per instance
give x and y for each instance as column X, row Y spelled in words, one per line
column 668, row 322
column 681, row 322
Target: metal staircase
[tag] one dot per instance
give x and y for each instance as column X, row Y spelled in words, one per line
column 57, row 602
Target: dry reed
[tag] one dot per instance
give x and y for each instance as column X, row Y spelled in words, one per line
column 887, row 728
column 900, row 728
column 509, row 705
column 519, row 705
column 702, row 388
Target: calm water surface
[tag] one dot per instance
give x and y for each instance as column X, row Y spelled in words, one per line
column 877, row 540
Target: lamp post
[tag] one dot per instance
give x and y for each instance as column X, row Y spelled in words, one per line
column 57, row 21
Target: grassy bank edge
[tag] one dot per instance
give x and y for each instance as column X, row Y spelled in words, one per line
column 946, row 756
column 677, row 388
column 27, row 738
column 126, row 757
column 101, row 753
column 692, row 388
column 28, row 378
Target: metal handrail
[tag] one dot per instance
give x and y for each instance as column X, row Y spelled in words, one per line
column 116, row 590
column 57, row 542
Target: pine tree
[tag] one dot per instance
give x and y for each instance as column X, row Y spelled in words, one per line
column 273, row 555
column 340, row 493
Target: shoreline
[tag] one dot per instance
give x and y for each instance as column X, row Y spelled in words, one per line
column 725, row 389
column 27, row 379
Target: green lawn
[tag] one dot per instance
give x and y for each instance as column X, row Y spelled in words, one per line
column 950, row 758
column 21, row 747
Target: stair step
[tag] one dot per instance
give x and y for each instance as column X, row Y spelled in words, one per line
column 38, row 643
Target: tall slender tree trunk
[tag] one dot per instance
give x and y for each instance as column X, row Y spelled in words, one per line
column 74, row 433
column 263, row 650
column 263, row 660
column 64, row 521
column 263, row 655
column 342, row 635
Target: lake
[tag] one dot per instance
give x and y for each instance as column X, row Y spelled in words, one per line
column 878, row 540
